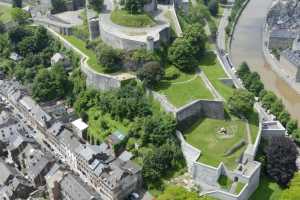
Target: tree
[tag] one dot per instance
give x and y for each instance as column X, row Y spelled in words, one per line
column 58, row 6
column 151, row 73
column 2, row 27
column 281, row 154
column 213, row 7
column 268, row 99
column 134, row 6
column 197, row 38
column 243, row 71
column 241, row 102
column 109, row 58
column 49, row 85
column 277, row 107
column 181, row 54
column 17, row 3
column 96, row 4
column 84, row 116
column 20, row 16
column 26, row 46
column 284, row 117
column 291, row 126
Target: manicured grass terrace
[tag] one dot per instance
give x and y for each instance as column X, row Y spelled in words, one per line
column 184, row 88
column 213, row 70
column 267, row 190
column 5, row 13
column 203, row 135
column 123, row 18
column 80, row 44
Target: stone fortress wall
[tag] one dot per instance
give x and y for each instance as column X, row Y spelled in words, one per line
column 93, row 79
column 207, row 176
column 201, row 108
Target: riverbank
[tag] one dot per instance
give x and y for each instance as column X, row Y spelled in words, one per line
column 246, row 45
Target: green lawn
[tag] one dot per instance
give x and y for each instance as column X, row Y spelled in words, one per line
column 184, row 88
column 213, row 70
column 203, row 135
column 122, row 17
column 80, row 44
column 239, row 187
column 96, row 118
column 5, row 13
column 267, row 190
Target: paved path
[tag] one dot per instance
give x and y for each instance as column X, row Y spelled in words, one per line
column 209, row 86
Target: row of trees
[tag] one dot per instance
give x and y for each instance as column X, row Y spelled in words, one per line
column 234, row 12
column 270, row 101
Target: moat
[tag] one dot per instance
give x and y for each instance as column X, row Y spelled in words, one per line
column 247, row 46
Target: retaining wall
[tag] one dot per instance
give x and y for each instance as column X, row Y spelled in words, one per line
column 99, row 81
column 200, row 108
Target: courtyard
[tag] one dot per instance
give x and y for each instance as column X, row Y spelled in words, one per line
column 207, row 136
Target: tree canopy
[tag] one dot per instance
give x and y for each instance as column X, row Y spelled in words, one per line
column 281, row 154
column 241, row 102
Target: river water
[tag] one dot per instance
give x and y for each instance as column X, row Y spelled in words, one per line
column 247, row 46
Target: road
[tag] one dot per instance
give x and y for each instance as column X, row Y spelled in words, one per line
column 226, row 63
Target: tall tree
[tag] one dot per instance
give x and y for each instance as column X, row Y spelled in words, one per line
column 281, row 154
column 197, row 38
column 241, row 102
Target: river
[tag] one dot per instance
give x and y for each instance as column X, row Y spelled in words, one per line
column 247, row 46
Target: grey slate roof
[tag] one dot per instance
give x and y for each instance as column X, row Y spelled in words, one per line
column 292, row 56
column 76, row 189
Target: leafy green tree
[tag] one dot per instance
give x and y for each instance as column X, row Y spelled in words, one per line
column 96, row 5
column 243, row 71
column 17, row 3
column 26, row 46
column 291, row 126
column 213, row 7
column 241, row 102
column 109, row 58
column 277, row 107
column 2, row 27
column 16, row 34
column 49, row 85
column 20, row 16
column 281, row 154
column 197, row 38
column 151, row 73
column 134, row 6
column 284, row 117
column 268, row 99
column 181, row 54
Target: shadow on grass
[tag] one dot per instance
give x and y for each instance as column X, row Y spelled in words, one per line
column 209, row 58
column 267, row 190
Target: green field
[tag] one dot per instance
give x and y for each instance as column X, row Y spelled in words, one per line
column 80, row 44
column 95, row 128
column 267, row 190
column 203, row 135
column 225, row 182
column 5, row 13
column 213, row 70
column 184, row 88
column 239, row 187
column 123, row 18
